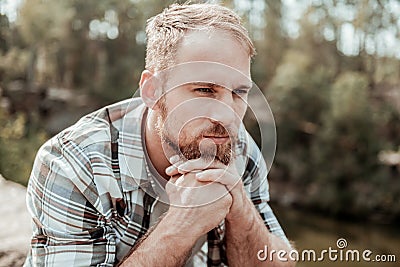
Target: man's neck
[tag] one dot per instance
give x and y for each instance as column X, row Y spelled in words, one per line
column 153, row 145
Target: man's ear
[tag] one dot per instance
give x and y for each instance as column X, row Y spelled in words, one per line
column 149, row 89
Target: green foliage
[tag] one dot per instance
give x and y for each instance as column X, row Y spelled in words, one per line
column 349, row 96
column 17, row 148
column 4, row 26
column 38, row 23
column 298, row 96
column 329, row 138
column 335, row 112
column 345, row 149
column 14, row 63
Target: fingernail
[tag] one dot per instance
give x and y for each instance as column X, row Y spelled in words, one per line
column 169, row 169
column 174, row 159
column 199, row 175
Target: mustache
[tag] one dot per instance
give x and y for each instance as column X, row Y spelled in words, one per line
column 218, row 130
column 190, row 148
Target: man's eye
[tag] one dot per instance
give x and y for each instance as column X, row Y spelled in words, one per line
column 240, row 92
column 204, row 90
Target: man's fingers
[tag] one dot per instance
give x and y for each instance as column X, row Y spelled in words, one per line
column 199, row 164
column 181, row 167
column 219, row 176
column 173, row 169
column 174, row 159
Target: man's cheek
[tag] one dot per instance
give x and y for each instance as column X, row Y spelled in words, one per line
column 241, row 112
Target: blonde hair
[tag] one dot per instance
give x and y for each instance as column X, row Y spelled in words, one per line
column 165, row 30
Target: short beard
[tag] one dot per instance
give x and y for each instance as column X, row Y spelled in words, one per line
column 191, row 150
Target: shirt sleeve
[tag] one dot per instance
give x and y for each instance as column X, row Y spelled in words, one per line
column 68, row 229
column 256, row 185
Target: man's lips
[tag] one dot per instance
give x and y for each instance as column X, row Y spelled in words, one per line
column 217, row 139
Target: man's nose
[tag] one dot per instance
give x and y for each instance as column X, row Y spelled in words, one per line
column 223, row 110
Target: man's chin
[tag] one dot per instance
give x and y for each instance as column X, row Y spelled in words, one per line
column 222, row 154
column 219, row 152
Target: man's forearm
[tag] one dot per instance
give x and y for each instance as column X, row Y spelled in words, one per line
column 164, row 246
column 245, row 239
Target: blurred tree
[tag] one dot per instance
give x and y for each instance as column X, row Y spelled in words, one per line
column 17, row 148
column 298, row 95
column 271, row 43
column 13, row 64
column 330, row 107
column 345, row 150
column 4, row 31
column 365, row 30
column 42, row 24
column 333, row 85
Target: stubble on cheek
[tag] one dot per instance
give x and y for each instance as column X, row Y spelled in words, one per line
column 189, row 148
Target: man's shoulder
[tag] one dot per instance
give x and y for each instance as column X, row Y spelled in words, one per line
column 99, row 126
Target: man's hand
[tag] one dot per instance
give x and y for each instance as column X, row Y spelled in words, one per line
column 243, row 222
column 198, row 206
column 216, row 174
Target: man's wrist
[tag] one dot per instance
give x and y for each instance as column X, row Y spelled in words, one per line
column 189, row 233
column 168, row 239
column 245, row 217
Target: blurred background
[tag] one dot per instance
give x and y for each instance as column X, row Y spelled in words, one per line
column 330, row 70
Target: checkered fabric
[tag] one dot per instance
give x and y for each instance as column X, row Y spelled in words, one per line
column 88, row 192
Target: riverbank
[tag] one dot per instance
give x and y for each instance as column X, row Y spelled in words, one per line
column 311, row 233
column 311, row 199
column 15, row 228
column 307, row 230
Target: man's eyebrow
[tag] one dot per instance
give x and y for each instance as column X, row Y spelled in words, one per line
column 214, row 85
column 205, row 84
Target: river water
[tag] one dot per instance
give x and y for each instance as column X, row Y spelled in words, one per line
column 318, row 233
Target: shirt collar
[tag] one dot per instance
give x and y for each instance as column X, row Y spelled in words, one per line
column 130, row 149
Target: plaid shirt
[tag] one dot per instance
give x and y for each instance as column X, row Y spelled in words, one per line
column 88, row 193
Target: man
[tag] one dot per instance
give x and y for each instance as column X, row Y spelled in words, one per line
column 167, row 179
